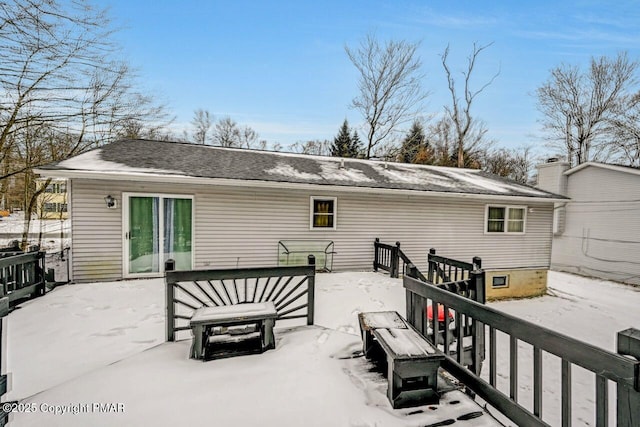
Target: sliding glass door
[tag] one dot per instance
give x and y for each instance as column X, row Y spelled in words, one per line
column 159, row 227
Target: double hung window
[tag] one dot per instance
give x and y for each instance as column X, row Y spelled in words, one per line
column 506, row 219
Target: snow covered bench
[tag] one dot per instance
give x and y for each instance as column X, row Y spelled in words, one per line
column 233, row 311
column 412, row 362
column 232, row 330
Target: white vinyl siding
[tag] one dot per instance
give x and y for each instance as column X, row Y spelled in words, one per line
column 241, row 227
column 601, row 235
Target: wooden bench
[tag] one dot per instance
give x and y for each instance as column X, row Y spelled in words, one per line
column 231, row 330
column 411, row 361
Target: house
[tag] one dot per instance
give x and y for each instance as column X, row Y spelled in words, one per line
column 597, row 232
column 135, row 203
column 51, row 203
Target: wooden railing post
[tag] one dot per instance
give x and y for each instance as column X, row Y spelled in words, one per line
column 395, row 261
column 431, row 265
column 376, row 258
column 477, row 328
column 628, row 413
column 478, row 285
column 411, row 272
column 311, row 283
column 170, row 265
column 4, row 311
column 477, row 262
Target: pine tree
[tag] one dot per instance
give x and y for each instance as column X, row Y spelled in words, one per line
column 343, row 145
column 356, row 145
column 413, row 144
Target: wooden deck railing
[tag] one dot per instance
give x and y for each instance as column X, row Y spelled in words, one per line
column 292, row 290
column 456, row 327
column 442, row 269
column 22, row 275
column 388, row 257
column 4, row 311
column 606, row 366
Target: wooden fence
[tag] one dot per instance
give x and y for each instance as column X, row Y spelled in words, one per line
column 292, row 290
column 22, row 275
column 606, row 366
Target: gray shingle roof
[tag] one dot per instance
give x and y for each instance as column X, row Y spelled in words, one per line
column 171, row 159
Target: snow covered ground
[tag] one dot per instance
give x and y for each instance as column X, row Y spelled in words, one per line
column 12, row 227
column 104, row 343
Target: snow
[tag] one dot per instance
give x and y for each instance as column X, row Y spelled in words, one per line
column 406, row 174
column 405, row 342
column 382, row 319
column 250, row 310
column 92, row 161
column 289, row 171
column 12, row 227
column 329, row 170
column 104, row 343
column 472, row 177
column 333, row 171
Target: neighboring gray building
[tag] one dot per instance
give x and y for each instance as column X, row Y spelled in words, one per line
column 597, row 232
column 212, row 207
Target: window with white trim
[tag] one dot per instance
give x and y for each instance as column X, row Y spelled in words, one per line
column 500, row 282
column 506, row 219
column 323, row 213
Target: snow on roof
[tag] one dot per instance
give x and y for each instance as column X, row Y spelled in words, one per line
column 93, row 161
column 168, row 160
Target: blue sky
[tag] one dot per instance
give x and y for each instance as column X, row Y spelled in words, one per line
column 280, row 66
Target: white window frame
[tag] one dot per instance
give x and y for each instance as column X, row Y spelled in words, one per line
column 125, row 227
column 311, row 213
column 506, row 219
column 506, row 281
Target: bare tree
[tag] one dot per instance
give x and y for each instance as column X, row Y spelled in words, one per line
column 316, row 147
column 624, row 128
column 516, row 164
column 444, row 140
column 201, row 122
column 63, row 89
column 577, row 105
column 59, row 72
column 228, row 133
column 468, row 132
column 390, row 86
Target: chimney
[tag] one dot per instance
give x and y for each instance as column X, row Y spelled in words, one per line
column 551, row 176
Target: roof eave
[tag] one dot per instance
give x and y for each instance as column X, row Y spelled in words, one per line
column 603, row 166
column 182, row 179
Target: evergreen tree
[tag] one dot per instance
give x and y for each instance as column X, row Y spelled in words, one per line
column 343, row 144
column 414, row 143
column 356, row 145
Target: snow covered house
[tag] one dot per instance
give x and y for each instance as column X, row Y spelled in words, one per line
column 597, row 231
column 135, row 203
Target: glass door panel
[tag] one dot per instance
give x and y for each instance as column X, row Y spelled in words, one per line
column 144, row 229
column 177, row 232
